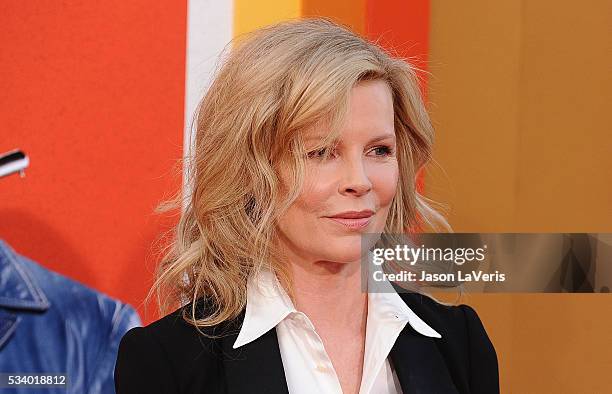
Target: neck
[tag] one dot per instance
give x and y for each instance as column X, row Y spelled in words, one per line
column 329, row 293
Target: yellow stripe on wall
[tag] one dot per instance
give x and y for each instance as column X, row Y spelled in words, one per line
column 250, row 15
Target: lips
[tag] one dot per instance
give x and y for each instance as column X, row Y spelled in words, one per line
column 366, row 213
column 353, row 219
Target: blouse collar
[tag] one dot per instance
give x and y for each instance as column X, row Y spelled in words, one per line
column 268, row 304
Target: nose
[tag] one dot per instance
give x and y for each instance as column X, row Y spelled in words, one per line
column 355, row 180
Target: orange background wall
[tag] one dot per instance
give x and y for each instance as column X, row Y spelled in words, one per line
column 93, row 92
column 520, row 94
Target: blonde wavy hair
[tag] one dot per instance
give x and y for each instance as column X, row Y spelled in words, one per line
column 276, row 83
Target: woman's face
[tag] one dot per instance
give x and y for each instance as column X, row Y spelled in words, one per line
column 351, row 192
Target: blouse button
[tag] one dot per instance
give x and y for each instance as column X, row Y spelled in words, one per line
column 321, row 368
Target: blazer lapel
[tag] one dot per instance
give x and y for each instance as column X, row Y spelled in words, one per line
column 419, row 365
column 255, row 367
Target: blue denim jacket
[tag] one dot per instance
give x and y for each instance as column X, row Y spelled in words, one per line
column 52, row 324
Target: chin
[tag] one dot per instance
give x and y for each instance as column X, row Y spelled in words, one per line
column 344, row 252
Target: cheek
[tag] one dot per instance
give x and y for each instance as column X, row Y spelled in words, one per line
column 384, row 183
column 318, row 188
column 310, row 204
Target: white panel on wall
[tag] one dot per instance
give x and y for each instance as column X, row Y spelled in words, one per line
column 209, row 30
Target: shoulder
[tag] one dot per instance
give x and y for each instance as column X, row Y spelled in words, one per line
column 168, row 354
column 62, row 291
column 74, row 301
column 173, row 331
column 464, row 343
column 171, row 338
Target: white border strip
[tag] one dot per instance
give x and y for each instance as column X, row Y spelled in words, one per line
column 209, row 30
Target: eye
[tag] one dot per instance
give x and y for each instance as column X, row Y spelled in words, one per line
column 383, row 151
column 317, row 154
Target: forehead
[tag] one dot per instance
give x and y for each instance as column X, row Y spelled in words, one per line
column 370, row 114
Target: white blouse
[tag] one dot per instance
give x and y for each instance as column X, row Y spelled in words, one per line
column 308, row 368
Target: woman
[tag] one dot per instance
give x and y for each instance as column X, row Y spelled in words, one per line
column 308, row 138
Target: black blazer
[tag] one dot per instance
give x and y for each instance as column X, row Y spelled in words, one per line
column 170, row 356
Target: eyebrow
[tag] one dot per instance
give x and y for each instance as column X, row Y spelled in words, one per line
column 374, row 139
column 383, row 137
